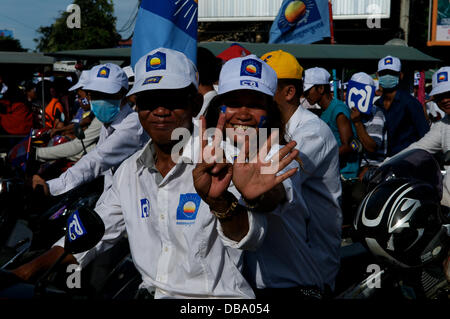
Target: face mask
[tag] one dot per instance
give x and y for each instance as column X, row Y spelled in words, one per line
column 105, row 110
column 388, row 81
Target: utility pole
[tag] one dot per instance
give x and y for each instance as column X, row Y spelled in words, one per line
column 404, row 17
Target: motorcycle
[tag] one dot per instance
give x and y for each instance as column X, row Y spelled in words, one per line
column 400, row 234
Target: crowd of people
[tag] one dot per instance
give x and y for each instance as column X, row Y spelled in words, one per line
column 216, row 218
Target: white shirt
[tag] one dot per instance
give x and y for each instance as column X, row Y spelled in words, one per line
column 171, row 231
column 437, row 139
column 299, row 241
column 122, row 138
column 72, row 150
column 207, row 97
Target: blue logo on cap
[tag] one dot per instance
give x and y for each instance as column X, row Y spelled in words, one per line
column 388, row 61
column 188, row 208
column 156, row 62
column 442, row 77
column 152, row 80
column 252, row 68
column 103, row 72
column 75, row 227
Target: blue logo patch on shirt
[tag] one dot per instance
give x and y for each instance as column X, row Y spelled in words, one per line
column 442, row 77
column 252, row 68
column 145, row 208
column 152, row 80
column 75, row 227
column 188, row 208
column 103, row 72
column 156, row 62
column 388, row 61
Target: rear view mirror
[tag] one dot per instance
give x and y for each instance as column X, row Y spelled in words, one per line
column 84, row 230
column 79, row 133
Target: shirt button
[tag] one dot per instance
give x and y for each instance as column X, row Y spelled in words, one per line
column 166, row 249
column 162, row 217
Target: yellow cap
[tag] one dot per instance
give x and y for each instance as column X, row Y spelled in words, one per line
column 285, row 64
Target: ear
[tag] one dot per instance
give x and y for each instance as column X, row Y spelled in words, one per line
column 320, row 89
column 401, row 76
column 289, row 92
column 196, row 103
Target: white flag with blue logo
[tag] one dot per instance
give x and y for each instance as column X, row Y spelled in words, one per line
column 361, row 96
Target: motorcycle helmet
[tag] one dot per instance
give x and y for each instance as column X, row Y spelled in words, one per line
column 401, row 223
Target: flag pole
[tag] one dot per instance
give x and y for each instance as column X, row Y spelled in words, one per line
column 330, row 11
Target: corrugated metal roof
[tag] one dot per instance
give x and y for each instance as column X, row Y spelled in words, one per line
column 336, row 52
column 251, row 10
column 8, row 57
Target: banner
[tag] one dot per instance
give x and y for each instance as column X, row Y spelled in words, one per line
column 170, row 24
column 440, row 23
column 361, row 96
column 301, row 22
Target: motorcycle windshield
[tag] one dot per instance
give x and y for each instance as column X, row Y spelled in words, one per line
column 415, row 164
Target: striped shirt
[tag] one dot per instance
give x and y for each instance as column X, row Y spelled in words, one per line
column 376, row 129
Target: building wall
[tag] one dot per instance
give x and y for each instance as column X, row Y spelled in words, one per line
column 266, row 10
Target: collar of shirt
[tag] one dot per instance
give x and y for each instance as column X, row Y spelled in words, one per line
column 191, row 147
column 124, row 111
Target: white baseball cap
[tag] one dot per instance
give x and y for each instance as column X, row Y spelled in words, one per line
column 163, row 69
column 247, row 73
column 84, row 78
column 363, row 78
column 441, row 81
column 315, row 76
column 107, row 78
column 389, row 63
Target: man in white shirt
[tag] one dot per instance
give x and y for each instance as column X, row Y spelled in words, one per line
column 121, row 135
column 320, row 183
column 172, row 234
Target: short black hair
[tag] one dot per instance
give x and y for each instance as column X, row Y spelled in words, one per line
column 297, row 83
column 208, row 66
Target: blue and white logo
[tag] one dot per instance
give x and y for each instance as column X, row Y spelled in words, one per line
column 250, row 83
column 156, row 62
column 442, row 77
column 361, row 96
column 188, row 208
column 145, row 208
column 75, row 227
column 252, row 68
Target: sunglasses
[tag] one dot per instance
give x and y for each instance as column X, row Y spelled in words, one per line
column 170, row 102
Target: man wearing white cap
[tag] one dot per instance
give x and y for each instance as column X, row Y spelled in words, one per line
column 336, row 114
column 289, row 250
column 171, row 231
column 121, row 134
column 75, row 149
column 405, row 118
column 438, row 138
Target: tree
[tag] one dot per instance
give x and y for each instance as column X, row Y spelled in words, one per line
column 98, row 29
column 10, row 44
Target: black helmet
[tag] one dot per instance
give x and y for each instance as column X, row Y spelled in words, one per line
column 400, row 222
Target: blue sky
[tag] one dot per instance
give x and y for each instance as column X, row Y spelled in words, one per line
column 24, row 17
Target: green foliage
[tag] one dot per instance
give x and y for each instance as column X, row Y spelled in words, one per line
column 10, row 44
column 98, row 29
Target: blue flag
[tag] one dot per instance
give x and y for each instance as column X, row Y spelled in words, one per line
column 301, row 22
column 169, row 24
column 361, row 96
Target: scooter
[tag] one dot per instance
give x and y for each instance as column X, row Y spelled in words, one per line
column 401, row 233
